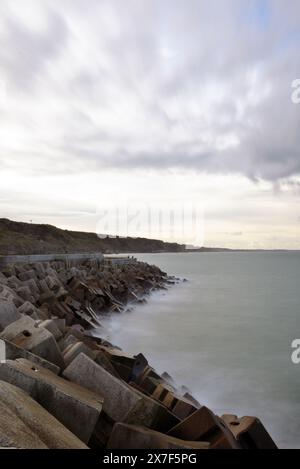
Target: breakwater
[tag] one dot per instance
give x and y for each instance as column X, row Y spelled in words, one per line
column 83, row 388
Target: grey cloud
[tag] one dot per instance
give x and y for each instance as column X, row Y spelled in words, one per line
column 24, row 52
column 192, row 85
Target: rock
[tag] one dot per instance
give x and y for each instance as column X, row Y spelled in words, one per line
column 249, row 432
column 25, row 424
column 121, row 402
column 8, row 313
column 74, row 406
column 203, row 425
column 37, row 340
column 126, row 436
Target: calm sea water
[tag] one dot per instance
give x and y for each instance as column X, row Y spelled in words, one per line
column 226, row 333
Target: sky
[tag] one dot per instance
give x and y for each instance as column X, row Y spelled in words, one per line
column 170, row 119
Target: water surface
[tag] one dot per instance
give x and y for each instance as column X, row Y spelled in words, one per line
column 226, row 333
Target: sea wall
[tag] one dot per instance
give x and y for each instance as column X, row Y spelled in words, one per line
column 60, row 386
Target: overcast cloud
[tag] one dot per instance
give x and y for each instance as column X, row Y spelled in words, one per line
column 150, row 84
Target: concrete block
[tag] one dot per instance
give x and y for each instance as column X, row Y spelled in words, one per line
column 67, row 341
column 118, row 397
column 125, row 436
column 11, row 295
column 37, row 340
column 203, row 425
column 148, row 372
column 249, row 432
column 25, row 293
column 8, row 313
column 13, row 352
column 123, row 371
column 14, row 283
column 119, row 356
column 33, row 288
column 169, row 400
column 139, row 366
column 60, row 323
column 29, row 309
column 24, row 424
column 188, row 397
column 121, row 402
column 3, row 279
column 183, row 409
column 74, row 406
column 27, row 275
column 148, row 385
column 51, row 326
column 39, row 268
column 102, row 360
column 73, row 350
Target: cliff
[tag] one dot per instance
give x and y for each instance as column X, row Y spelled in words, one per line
column 27, row 238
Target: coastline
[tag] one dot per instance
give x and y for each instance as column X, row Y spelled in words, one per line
column 48, row 310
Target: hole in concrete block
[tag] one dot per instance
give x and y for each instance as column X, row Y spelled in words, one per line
column 27, row 333
column 235, row 424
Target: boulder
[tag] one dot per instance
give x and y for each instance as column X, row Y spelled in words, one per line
column 25, row 424
column 125, row 436
column 37, row 340
column 74, row 406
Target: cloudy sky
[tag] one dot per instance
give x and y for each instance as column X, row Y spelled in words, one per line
column 148, row 105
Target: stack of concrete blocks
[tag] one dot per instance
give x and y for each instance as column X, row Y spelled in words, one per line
column 63, row 387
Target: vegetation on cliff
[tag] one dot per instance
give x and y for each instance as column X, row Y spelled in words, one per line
column 29, row 238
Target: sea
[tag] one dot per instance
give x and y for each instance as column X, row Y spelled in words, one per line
column 226, row 333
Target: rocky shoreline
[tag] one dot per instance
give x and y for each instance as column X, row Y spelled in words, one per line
column 62, row 387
